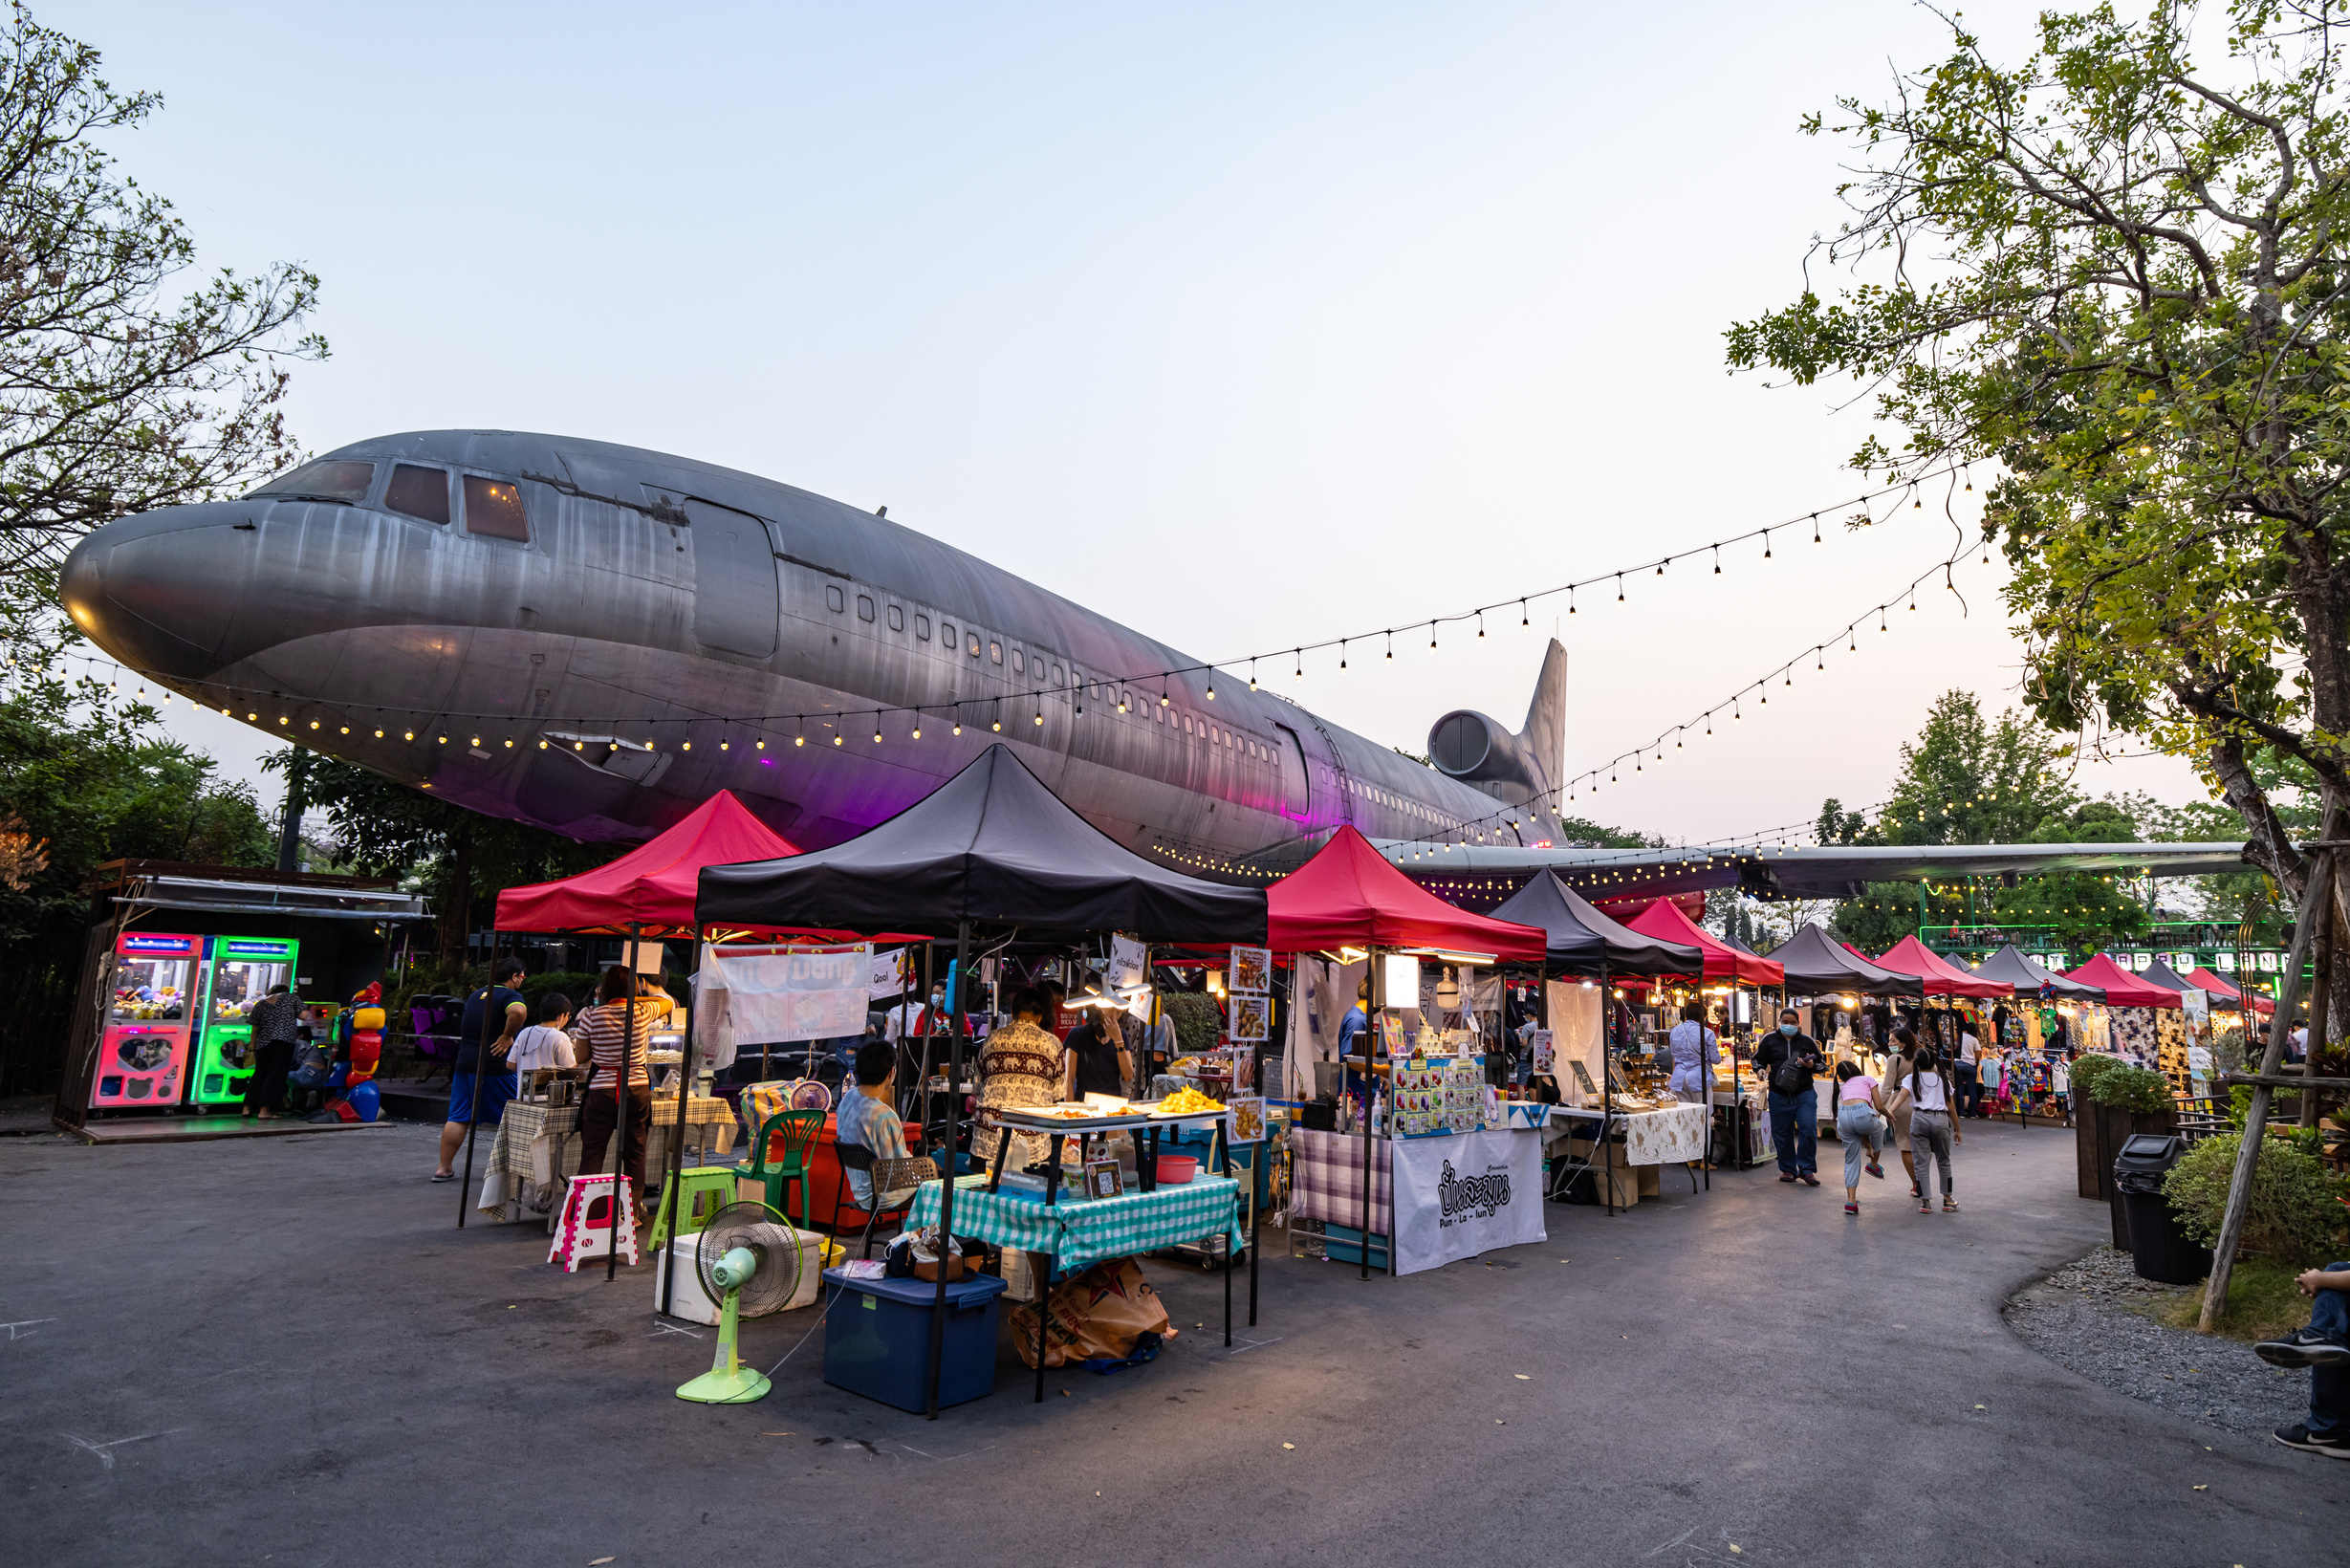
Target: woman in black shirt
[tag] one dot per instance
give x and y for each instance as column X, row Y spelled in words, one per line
column 1097, row 1060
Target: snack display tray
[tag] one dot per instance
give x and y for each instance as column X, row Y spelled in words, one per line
column 1032, row 1121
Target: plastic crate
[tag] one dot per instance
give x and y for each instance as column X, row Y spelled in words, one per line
column 877, row 1339
column 1344, row 1243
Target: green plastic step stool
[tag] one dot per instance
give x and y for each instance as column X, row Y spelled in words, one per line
column 704, row 1190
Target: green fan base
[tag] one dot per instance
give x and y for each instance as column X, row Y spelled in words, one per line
column 740, row 1387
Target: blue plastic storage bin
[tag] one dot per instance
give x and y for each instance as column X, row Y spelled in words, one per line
column 1344, row 1243
column 877, row 1339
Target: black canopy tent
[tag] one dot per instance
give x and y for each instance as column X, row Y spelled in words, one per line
column 991, row 850
column 2010, row 965
column 1583, row 941
column 2159, row 974
column 1817, row 963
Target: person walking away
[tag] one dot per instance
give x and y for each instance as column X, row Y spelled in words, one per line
column 498, row 1086
column 275, row 1019
column 1859, row 1123
column 606, row 1031
column 1893, row 1093
column 1934, row 1126
column 2324, row 1348
column 1964, row 1075
column 1787, row 1061
column 1695, row 1051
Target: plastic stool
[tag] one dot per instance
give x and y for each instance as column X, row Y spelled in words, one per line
column 579, row 1235
column 702, row 1190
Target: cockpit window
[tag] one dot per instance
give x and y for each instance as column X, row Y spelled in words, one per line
column 493, row 510
column 419, row 492
column 330, row 479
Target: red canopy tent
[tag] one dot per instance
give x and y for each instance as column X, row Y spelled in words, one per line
column 2120, row 987
column 652, row 886
column 2218, row 987
column 1940, row 976
column 1350, row 896
column 1664, row 921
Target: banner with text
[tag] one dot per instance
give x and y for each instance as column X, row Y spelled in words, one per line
column 1456, row 1197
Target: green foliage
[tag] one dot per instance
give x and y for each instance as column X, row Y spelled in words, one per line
column 2295, row 1215
column 1583, row 830
column 2088, row 1069
column 1197, row 1020
column 2132, row 1088
column 2137, row 310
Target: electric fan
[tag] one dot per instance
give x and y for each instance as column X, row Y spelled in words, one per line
column 748, row 1264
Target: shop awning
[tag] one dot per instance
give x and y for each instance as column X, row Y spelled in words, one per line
column 2225, row 993
column 2120, row 987
column 1817, row 964
column 1937, row 975
column 991, row 846
column 1581, row 937
column 1664, row 921
column 1350, row 896
column 2010, row 963
column 652, row 886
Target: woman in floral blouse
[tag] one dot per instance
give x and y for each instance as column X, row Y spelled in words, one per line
column 1019, row 1067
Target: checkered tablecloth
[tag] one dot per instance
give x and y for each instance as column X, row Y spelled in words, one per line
column 510, row 1156
column 1672, row 1136
column 1326, row 1182
column 1081, row 1231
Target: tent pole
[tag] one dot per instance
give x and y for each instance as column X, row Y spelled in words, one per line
column 1607, row 1092
column 620, row 1106
column 481, row 1064
column 947, row 1176
column 673, row 1168
column 922, row 1075
column 1370, row 1091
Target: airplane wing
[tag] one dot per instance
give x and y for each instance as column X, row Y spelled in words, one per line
column 1817, row 872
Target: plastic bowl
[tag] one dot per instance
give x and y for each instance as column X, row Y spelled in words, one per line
column 1175, row 1169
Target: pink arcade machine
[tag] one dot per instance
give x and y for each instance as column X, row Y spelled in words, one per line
column 143, row 1058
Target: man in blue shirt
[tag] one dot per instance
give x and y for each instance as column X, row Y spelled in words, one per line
column 1355, row 1025
column 498, row 1086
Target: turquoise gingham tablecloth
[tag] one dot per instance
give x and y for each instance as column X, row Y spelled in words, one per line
column 1081, row 1231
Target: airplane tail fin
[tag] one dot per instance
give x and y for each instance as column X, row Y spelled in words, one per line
column 1544, row 739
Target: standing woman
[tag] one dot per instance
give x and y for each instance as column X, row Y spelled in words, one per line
column 1934, row 1126
column 604, row 1030
column 1894, row 1096
column 1694, row 1055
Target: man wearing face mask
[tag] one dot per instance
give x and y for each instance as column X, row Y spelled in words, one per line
column 1787, row 1061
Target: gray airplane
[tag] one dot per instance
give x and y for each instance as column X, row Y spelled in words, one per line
column 594, row 638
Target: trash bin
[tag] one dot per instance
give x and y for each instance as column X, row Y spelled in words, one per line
column 2163, row 1250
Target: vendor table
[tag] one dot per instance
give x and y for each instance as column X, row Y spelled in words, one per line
column 1670, row 1136
column 1460, row 1191
column 526, row 1120
column 1073, row 1231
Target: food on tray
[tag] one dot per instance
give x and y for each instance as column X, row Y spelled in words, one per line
column 1188, row 1101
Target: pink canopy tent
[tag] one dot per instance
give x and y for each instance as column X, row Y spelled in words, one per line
column 1350, row 895
column 2219, row 987
column 1938, row 974
column 2120, row 987
column 1664, row 921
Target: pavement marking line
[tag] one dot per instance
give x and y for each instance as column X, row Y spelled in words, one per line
column 1247, row 1345
column 660, row 1328
column 29, row 1323
column 1676, row 1540
column 105, row 1450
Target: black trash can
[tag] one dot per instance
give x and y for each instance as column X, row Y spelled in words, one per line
column 2161, row 1248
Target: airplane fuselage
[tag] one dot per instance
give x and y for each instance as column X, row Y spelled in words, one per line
column 594, row 638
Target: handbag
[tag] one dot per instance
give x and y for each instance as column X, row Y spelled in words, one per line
column 1787, row 1074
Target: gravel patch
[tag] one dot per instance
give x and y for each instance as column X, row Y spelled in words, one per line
column 2080, row 1318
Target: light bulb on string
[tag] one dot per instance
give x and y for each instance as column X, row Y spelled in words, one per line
column 1815, row 528
column 1122, row 707
column 1431, row 636
column 1300, row 655
column 1620, row 587
column 1766, row 544
column 1717, row 560
column 1662, row 565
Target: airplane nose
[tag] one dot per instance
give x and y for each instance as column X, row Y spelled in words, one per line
column 146, row 588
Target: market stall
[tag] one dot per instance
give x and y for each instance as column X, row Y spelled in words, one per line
column 1467, row 1169
column 1741, row 1124
column 993, row 855
column 2130, row 1022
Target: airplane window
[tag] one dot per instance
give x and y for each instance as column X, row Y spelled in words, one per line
column 335, row 479
column 974, row 645
column 419, row 492
column 834, row 598
column 864, row 608
column 995, row 652
column 897, row 618
column 493, row 510
column 921, row 629
column 1017, row 663
column 1056, row 676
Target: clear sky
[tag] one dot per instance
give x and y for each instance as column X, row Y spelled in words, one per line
column 1245, row 325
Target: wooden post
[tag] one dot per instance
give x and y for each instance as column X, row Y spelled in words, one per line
column 2316, row 899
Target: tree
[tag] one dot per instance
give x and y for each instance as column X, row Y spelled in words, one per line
column 126, row 383
column 387, row 828
column 2121, row 279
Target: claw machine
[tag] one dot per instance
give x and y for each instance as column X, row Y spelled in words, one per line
column 238, row 971
column 142, row 1055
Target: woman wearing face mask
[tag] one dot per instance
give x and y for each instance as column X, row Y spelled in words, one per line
column 1787, row 1061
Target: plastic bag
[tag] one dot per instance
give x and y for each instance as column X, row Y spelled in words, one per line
column 1103, row 1314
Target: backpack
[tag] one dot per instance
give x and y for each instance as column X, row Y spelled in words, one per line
column 1788, row 1075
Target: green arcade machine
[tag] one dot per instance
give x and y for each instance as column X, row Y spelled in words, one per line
column 238, row 971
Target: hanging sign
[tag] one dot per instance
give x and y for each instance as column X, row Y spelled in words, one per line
column 797, row 996
column 1252, row 972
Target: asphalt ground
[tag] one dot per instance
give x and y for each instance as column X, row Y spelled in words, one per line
column 281, row 1351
